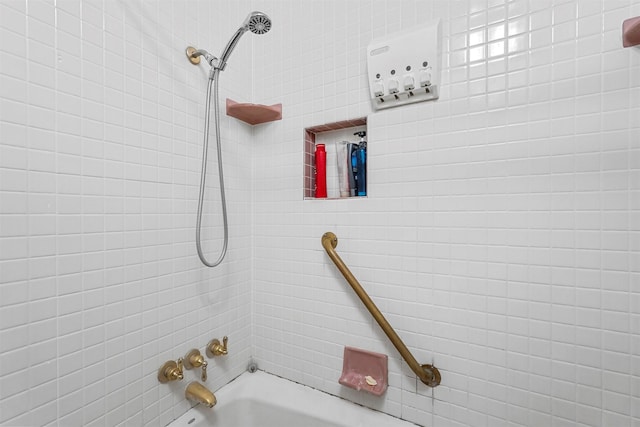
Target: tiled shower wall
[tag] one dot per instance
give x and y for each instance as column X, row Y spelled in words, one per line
column 500, row 235
column 101, row 119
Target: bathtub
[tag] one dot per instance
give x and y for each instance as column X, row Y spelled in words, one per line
column 265, row 400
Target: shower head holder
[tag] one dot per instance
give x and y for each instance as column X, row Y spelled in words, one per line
column 194, row 56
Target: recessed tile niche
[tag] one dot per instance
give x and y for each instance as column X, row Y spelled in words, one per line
column 328, row 134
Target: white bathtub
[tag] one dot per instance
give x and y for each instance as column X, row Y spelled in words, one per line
column 264, row 400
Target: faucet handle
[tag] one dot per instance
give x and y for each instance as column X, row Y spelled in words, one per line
column 170, row 371
column 194, row 359
column 214, row 348
column 203, row 377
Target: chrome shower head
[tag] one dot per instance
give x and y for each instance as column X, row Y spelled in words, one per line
column 257, row 23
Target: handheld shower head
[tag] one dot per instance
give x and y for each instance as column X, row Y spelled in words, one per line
column 256, row 22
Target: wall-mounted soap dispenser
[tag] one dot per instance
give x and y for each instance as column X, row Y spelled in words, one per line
column 404, row 67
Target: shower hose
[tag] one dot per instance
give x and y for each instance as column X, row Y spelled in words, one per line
column 213, row 79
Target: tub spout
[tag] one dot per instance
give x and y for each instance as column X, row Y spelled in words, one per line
column 198, row 393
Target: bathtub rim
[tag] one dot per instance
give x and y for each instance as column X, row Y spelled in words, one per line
column 196, row 416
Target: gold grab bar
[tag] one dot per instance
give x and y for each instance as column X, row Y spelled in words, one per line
column 428, row 374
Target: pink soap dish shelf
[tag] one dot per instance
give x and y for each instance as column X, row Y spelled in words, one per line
column 358, row 364
column 254, row 114
column 631, row 32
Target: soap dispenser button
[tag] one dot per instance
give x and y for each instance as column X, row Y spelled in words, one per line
column 378, row 89
column 393, row 86
column 425, row 78
column 409, row 83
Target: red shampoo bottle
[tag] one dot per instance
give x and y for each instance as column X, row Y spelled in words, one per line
column 321, row 171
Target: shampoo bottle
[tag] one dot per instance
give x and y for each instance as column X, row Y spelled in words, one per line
column 321, row 171
column 344, row 167
column 361, row 165
column 353, row 169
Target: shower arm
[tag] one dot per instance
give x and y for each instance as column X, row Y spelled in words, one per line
column 194, row 56
column 428, row 374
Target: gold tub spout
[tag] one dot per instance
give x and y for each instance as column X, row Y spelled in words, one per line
column 196, row 392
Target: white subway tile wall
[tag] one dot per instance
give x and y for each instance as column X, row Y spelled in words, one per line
column 101, row 119
column 500, row 235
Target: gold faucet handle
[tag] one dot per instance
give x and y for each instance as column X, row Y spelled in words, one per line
column 194, row 359
column 170, row 371
column 204, row 371
column 214, row 348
